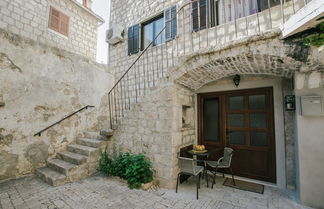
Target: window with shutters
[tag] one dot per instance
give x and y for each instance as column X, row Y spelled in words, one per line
column 133, row 39
column 58, row 21
column 152, row 29
column 210, row 13
column 200, row 14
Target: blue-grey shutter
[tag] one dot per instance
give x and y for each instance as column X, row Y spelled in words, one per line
column 203, row 14
column 174, row 21
column 167, row 23
column 170, row 21
column 136, row 39
column 130, row 38
column 195, row 17
column 133, row 39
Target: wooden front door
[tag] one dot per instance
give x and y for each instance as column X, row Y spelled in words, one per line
column 242, row 120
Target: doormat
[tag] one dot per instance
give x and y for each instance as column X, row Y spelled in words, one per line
column 243, row 185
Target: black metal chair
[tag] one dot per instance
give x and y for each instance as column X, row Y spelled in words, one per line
column 188, row 166
column 222, row 163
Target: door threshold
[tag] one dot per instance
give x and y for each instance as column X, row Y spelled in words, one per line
column 251, row 180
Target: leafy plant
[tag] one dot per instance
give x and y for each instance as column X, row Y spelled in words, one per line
column 121, row 164
column 136, row 169
column 139, row 171
column 106, row 164
column 315, row 37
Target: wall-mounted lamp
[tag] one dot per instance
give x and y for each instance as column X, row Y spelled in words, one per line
column 236, row 80
column 290, row 102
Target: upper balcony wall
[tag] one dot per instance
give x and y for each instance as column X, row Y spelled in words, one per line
column 187, row 41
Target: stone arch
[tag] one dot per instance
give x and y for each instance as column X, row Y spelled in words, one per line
column 270, row 56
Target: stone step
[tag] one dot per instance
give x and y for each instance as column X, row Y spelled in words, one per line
column 90, row 142
column 72, row 157
column 92, row 135
column 80, row 149
column 51, row 176
column 107, row 132
column 61, row 165
column 102, row 135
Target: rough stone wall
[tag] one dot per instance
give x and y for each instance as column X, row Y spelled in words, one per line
column 29, row 18
column 184, row 131
column 147, row 129
column 157, row 126
column 265, row 54
column 39, row 85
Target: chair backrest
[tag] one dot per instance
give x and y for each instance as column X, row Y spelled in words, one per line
column 227, row 157
column 184, row 151
column 187, row 165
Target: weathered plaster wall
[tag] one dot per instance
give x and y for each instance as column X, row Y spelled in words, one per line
column 38, row 86
column 310, row 141
column 29, row 18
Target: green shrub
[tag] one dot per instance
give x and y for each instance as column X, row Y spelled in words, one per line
column 136, row 169
column 106, row 164
column 139, row 171
column 122, row 161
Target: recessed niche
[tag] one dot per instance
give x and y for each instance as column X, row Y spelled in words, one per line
column 187, row 116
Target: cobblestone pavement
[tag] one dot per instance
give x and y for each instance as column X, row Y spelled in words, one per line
column 105, row 192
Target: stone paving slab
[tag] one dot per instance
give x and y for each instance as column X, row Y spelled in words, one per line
column 101, row 192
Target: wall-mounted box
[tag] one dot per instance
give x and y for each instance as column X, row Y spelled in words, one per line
column 311, row 105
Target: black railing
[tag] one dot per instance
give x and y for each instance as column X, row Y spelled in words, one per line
column 153, row 62
column 66, row 117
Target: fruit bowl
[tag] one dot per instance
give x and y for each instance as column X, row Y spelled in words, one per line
column 199, row 147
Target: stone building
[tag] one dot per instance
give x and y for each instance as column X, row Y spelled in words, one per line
column 222, row 73
column 214, row 72
column 64, row 24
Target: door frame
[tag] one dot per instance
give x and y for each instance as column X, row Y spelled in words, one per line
column 251, row 82
column 223, row 124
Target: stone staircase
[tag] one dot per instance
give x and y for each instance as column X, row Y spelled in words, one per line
column 80, row 160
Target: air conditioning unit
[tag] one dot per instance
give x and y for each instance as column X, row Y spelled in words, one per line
column 114, row 34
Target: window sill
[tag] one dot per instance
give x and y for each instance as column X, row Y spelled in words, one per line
column 57, row 33
column 186, row 128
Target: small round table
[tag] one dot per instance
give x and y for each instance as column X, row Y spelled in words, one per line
column 204, row 155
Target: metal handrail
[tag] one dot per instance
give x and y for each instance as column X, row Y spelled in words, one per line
column 66, row 117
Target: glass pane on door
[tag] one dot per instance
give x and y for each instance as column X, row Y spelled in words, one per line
column 237, row 137
column 236, row 120
column 236, row 103
column 259, row 139
column 257, row 102
column 211, row 119
column 258, row 120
